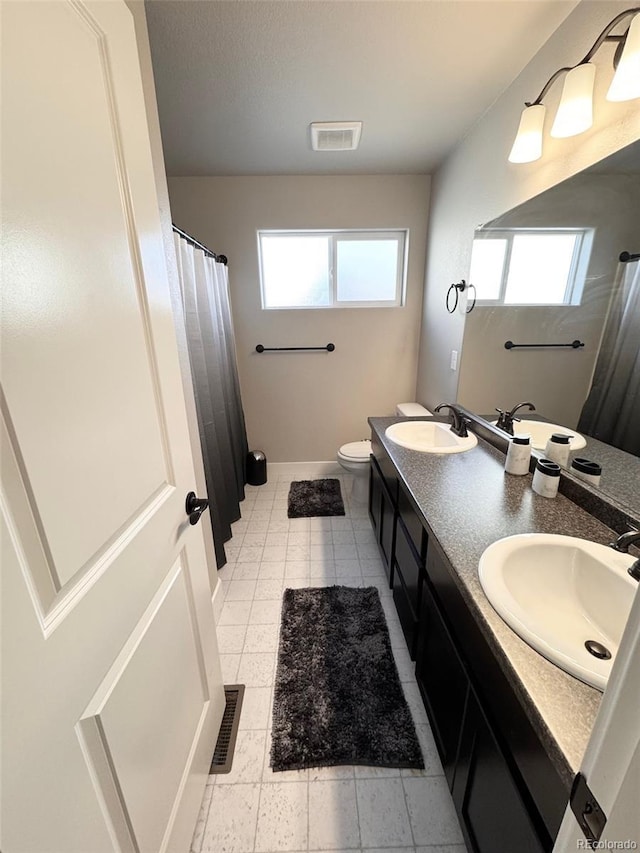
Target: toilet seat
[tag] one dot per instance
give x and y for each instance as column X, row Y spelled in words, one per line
column 356, row 451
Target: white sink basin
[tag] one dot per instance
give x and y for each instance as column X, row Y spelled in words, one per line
column 541, row 432
column 558, row 593
column 429, row 437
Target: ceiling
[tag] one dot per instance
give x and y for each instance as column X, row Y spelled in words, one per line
column 239, row 81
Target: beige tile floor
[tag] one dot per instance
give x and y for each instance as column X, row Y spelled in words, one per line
column 254, row 810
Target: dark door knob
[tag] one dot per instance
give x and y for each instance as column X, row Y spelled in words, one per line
column 195, row 507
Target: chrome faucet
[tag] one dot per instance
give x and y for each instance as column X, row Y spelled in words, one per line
column 506, row 419
column 622, row 543
column 458, row 420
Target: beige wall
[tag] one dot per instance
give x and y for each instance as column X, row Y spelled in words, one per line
column 303, row 406
column 477, row 183
column 556, row 380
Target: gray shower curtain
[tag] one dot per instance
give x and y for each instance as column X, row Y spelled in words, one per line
column 212, row 354
column 612, row 410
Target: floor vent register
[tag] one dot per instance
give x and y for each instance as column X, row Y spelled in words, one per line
column 226, row 743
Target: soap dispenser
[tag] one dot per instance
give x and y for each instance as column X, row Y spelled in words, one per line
column 558, row 449
column 518, row 455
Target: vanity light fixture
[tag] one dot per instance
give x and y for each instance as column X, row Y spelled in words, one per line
column 575, row 112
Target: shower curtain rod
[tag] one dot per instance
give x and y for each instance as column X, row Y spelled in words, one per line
column 221, row 259
column 626, row 257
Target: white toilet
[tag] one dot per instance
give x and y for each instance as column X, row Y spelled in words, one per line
column 354, row 456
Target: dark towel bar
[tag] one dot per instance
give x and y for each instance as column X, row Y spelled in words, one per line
column 574, row 345
column 328, row 348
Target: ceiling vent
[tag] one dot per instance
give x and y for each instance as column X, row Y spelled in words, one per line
column 335, row 135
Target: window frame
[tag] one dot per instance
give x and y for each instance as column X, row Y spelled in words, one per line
column 577, row 270
column 335, row 235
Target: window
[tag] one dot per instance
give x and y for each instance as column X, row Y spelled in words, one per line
column 332, row 269
column 530, row 266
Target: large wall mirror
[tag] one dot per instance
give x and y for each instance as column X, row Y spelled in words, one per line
column 549, row 273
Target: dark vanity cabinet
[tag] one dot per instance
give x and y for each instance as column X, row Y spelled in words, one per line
column 495, row 816
column 494, row 807
column 382, row 512
column 443, row 682
column 508, row 795
column 402, row 540
column 506, row 790
column 407, row 580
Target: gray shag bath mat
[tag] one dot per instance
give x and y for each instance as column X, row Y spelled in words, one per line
column 338, row 697
column 312, row 498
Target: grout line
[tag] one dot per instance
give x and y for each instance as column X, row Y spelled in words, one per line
column 406, row 805
column 308, row 810
column 255, row 831
column 355, row 791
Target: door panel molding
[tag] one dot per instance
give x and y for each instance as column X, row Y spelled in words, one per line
column 108, row 793
column 124, row 723
column 129, row 219
column 55, row 337
column 72, row 593
column 52, row 602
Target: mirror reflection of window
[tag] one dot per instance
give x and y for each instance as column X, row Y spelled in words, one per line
column 530, row 267
column 487, row 267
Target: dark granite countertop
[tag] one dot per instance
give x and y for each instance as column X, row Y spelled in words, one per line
column 469, row 502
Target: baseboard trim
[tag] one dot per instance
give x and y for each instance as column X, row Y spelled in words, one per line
column 304, row 470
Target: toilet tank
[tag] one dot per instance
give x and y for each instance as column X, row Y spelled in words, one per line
column 412, row 410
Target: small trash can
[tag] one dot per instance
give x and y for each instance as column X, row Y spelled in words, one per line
column 256, row 468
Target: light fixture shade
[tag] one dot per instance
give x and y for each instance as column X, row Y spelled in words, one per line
column 626, row 81
column 528, row 142
column 575, row 112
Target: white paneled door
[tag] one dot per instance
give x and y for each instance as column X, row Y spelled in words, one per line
column 112, row 693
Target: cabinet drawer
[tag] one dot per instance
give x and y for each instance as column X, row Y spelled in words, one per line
column 375, row 497
column 387, row 469
column 383, row 516
column 387, row 531
column 413, row 525
column 406, row 614
column 409, row 565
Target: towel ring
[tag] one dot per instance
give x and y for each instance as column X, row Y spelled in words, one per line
column 453, row 288
column 475, row 296
column 459, row 288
